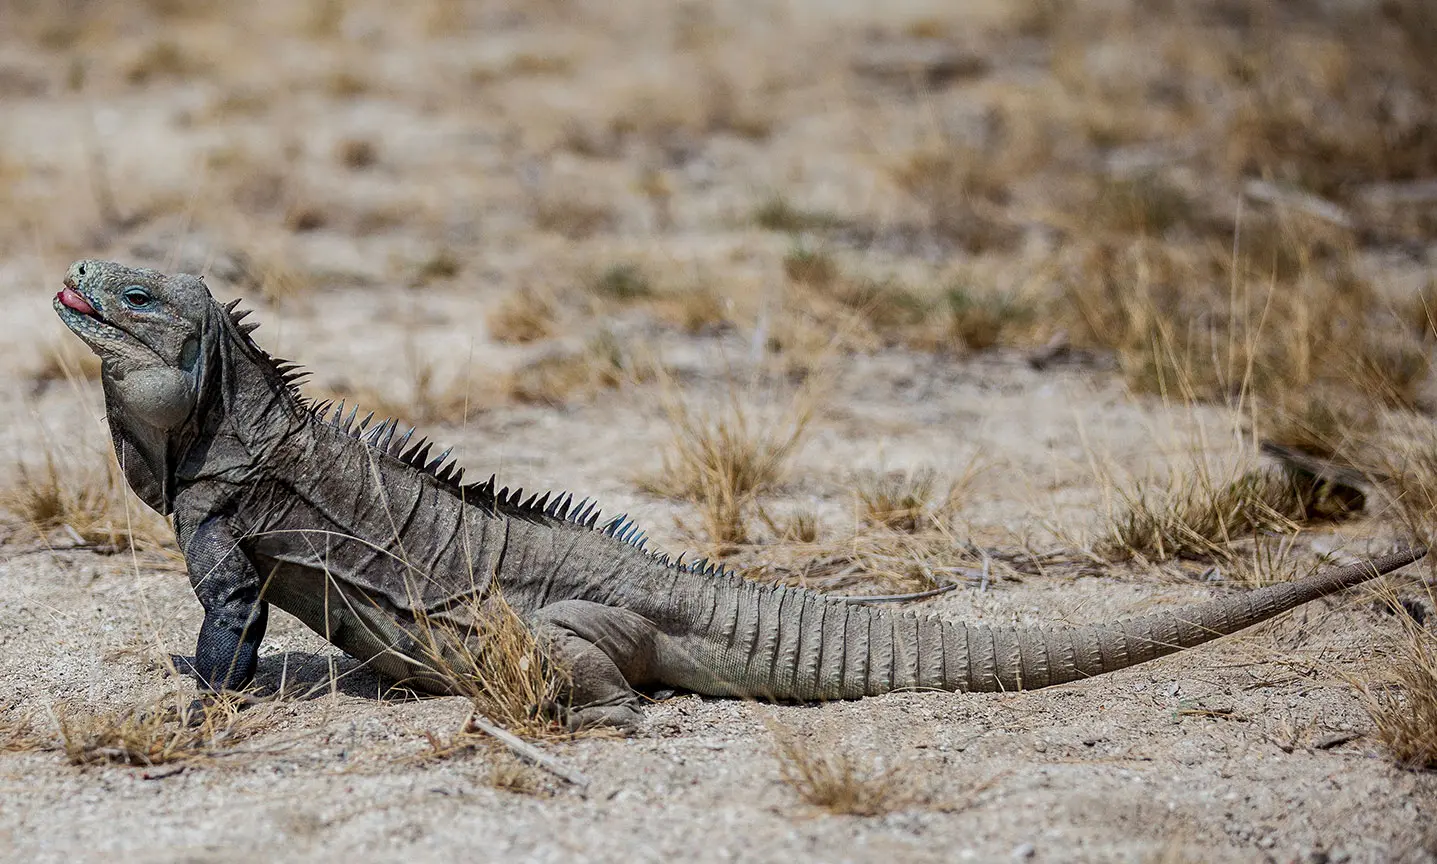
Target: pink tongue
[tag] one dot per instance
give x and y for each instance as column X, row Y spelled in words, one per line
column 72, row 299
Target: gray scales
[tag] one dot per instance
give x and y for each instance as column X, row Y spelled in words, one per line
column 370, row 539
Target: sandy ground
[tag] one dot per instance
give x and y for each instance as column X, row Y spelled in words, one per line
column 1253, row 749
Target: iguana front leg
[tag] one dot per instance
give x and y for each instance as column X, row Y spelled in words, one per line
column 228, row 587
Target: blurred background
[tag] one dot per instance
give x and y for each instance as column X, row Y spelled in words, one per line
column 449, row 207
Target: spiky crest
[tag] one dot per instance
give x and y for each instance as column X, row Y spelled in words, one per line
column 550, row 507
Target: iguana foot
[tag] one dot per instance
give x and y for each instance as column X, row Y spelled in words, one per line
column 625, row 718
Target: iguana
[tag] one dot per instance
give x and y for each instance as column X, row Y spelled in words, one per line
column 369, row 538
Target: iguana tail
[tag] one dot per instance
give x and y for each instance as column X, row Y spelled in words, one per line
column 794, row 644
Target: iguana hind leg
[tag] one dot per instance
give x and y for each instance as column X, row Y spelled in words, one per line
column 604, row 651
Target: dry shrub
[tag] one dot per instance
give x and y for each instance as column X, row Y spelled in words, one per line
column 522, row 317
column 981, row 320
column 624, row 282
column 169, row 729
column 90, row 501
column 1404, row 707
column 1198, row 511
column 837, row 781
column 906, row 501
column 722, row 461
column 695, row 309
column 496, row 661
column 778, row 213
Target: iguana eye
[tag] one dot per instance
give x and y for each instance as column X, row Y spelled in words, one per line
column 137, row 298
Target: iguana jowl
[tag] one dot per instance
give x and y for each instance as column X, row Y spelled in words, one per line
column 369, row 539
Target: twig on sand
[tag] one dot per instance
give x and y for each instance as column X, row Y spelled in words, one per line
column 478, row 722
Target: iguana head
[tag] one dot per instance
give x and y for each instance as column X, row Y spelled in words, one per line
column 147, row 329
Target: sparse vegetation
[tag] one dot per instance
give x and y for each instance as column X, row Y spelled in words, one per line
column 1403, row 705
column 18, row 733
column 1199, row 512
column 87, row 500
column 777, row 213
column 1231, row 202
column 624, row 282
column 902, row 501
column 837, row 781
column 65, row 361
column 561, row 377
column 722, row 462
column 169, row 729
column 981, row 321
column 522, row 317
column 499, row 664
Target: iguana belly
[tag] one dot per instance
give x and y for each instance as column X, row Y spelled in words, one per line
column 365, row 627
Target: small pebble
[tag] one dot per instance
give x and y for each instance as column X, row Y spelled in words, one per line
column 1023, row 851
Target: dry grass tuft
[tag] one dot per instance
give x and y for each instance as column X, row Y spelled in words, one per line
column 1272, row 561
column 508, row 773
column 18, row 733
column 1198, row 513
column 777, row 213
column 572, row 216
column 961, row 191
column 559, row 378
column 624, row 282
column 90, row 502
column 901, row 501
column 1404, row 707
column 1289, row 313
column 810, row 267
column 522, row 317
column 981, row 320
column 695, row 309
column 839, row 782
column 1409, row 460
column 356, row 154
column 500, row 665
column 723, row 461
column 169, row 729
column 165, row 59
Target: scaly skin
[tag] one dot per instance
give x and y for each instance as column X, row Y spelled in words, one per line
column 381, row 550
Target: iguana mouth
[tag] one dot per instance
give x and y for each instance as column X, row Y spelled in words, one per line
column 72, row 299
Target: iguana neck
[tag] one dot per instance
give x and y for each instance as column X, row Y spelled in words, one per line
column 249, row 411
